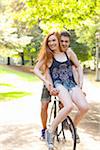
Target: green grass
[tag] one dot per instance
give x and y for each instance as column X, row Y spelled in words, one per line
column 6, row 84
column 13, row 95
column 14, row 92
column 22, row 75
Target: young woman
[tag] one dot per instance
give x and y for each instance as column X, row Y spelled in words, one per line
column 56, row 64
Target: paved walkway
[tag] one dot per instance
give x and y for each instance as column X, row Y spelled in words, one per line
column 20, row 122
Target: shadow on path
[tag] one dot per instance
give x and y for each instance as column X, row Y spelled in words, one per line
column 91, row 122
column 19, row 137
column 26, row 136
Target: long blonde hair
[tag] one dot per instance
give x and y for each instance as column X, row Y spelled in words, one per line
column 46, row 53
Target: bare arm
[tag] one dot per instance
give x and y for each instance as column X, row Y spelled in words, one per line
column 53, row 91
column 37, row 71
column 74, row 59
column 46, row 78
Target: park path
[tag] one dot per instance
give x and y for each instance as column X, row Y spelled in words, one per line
column 20, row 122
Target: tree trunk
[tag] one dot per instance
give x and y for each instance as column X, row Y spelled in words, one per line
column 8, row 60
column 22, row 57
column 32, row 62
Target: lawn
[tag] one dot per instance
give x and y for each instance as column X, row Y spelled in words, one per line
column 13, row 95
column 22, row 75
column 15, row 84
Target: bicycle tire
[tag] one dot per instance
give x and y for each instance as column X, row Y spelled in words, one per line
column 72, row 130
column 62, row 130
column 72, row 133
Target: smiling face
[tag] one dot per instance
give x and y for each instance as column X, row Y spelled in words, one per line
column 53, row 43
column 64, row 43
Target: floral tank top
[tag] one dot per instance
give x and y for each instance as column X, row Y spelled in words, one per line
column 61, row 73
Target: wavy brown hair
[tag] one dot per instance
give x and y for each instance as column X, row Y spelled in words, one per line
column 46, row 53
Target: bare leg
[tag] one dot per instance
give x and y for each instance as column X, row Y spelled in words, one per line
column 81, row 103
column 44, row 113
column 65, row 98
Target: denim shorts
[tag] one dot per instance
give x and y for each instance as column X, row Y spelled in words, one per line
column 69, row 86
column 45, row 94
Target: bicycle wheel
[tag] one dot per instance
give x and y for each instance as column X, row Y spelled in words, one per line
column 69, row 132
column 65, row 131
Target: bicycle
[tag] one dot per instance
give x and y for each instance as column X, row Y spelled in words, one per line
column 65, row 129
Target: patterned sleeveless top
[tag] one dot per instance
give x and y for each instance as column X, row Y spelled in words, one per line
column 61, row 73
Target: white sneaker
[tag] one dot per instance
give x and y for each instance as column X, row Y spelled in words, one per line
column 49, row 139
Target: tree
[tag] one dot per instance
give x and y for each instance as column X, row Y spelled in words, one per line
column 81, row 49
column 78, row 15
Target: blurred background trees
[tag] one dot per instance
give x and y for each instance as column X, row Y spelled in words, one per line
column 24, row 23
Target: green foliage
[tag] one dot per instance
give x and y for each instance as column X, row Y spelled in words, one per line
column 33, row 47
column 80, row 16
column 33, row 17
column 56, row 12
column 81, row 49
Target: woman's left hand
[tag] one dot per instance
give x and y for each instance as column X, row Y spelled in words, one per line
column 54, row 92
